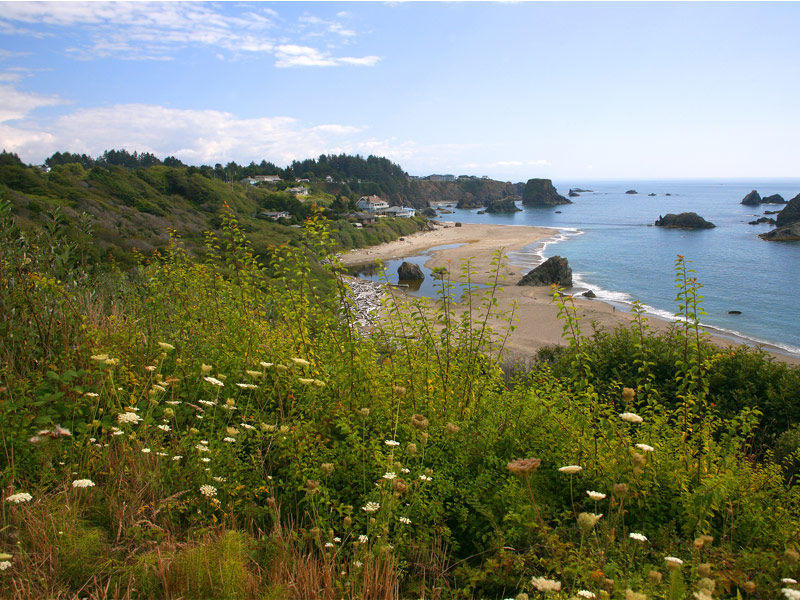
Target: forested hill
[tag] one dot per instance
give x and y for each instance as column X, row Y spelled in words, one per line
column 118, row 208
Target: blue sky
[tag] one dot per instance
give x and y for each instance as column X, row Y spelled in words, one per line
column 578, row 90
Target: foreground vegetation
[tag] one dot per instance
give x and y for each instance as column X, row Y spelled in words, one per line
column 216, row 429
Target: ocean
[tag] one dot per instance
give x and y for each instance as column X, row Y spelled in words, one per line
column 608, row 238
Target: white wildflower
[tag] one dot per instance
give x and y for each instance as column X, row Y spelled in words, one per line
column 266, row 365
column 788, row 581
column 329, row 544
column 337, row 539
column 389, row 475
column 150, row 368
column 791, row 594
column 19, row 498
column 595, row 495
column 207, row 402
column 371, row 507
column 671, row 560
column 146, row 450
column 160, row 388
column 631, row 417
column 358, row 563
column 201, row 448
column 586, row 594
column 219, row 479
column 205, row 460
column 92, row 395
column 177, row 457
column 166, row 347
column 173, row 402
column 645, row 447
column 254, row 373
column 404, row 470
column 230, row 440
column 405, row 520
column 425, row 478
column 4, row 565
column 128, row 417
column 391, row 442
column 214, row 381
column 301, row 361
column 99, row 357
column 247, row 386
column 82, row 483
column 164, row 427
column 570, row 469
column 637, row 536
column 362, row 539
column 246, row 426
column 546, row 585
column 305, row 381
column 209, row 491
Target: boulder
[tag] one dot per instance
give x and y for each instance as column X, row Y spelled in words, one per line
column 505, row 205
column 409, row 272
column 773, row 199
column 429, row 212
column 555, row 270
column 752, row 199
column 540, row 192
column 589, row 294
column 687, row 220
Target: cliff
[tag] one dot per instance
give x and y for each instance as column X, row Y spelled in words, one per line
column 465, row 193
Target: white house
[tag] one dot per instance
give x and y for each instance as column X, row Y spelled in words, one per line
column 298, row 191
column 401, row 212
column 372, row 204
column 261, row 179
column 275, row 215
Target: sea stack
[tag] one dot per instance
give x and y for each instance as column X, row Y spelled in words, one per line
column 540, row 192
column 555, row 270
column 752, row 199
column 687, row 220
column 788, row 224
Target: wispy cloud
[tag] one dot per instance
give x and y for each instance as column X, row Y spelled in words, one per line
column 157, row 30
column 16, row 104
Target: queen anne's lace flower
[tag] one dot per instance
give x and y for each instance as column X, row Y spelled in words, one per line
column 247, row 386
column 405, row 520
column 570, row 469
column 791, row 594
column 371, row 507
column 164, row 427
column 595, row 495
column 586, row 594
column 82, row 483
column 389, row 475
column 391, row 442
column 5, row 564
column 128, row 417
column 362, row 539
column 631, row 417
column 209, row 491
column 546, row 585
column 301, row 361
column 19, row 498
column 166, row 347
column 645, row 447
column 214, row 381
column 637, row 536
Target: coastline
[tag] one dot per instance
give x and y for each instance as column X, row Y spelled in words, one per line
column 538, row 325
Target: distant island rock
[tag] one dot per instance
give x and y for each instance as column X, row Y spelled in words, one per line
column 651, row 194
column 752, row 199
column 774, row 199
column 769, row 220
column 687, row 220
column 540, row 192
column 573, row 193
column 409, row 272
column 631, row 192
column 505, row 205
column 555, row 270
column 788, row 224
column 580, row 191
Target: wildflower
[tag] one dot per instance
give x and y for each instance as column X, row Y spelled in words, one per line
column 177, row 457
column 452, row 428
column 254, row 374
column 628, row 394
column 364, row 412
column 214, row 381
column 311, row 486
column 596, row 496
column 389, row 475
column 99, row 357
column 230, row 440
column 282, row 367
column 391, row 442
column 637, row 536
column 587, row 521
column 327, row 468
column 399, row 485
column 318, row 383
column 523, row 466
column 419, row 421
column 405, row 520
column 266, row 365
column 631, row 417
column 201, row 448
column 128, row 417
column 791, row 594
column 231, row 431
column 631, row 595
column 82, row 483
column 586, row 594
column 301, row 361
column 117, row 431
column 371, row 507
column 672, row 562
column 111, row 362
column 362, row 539
column 425, row 478
column 704, row 569
column 411, row 449
column 204, row 368
column 19, row 498
column 173, row 402
column 150, row 368
column 639, row 460
column 247, row 386
column 570, row 469
column 166, row 347
column 404, row 470
column 219, row 479
column 4, row 565
column 246, row 426
column 655, row 577
column 620, row 490
column 790, row 557
column 305, row 381
column 546, row 585
column 146, row 450
column 358, row 563
column 209, row 491
column 164, row 427
column 205, row 460
column 207, row 402
column 645, row 447
column 328, row 544
column 788, row 581
column 91, row 395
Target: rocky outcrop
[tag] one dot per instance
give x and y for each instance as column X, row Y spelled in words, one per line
column 573, row 193
column 788, row 224
column 752, row 199
column 589, row 294
column 687, row 220
column 430, row 213
column 409, row 272
column 580, row 191
column 540, row 192
column 769, row 220
column 631, row 192
column 774, row 199
column 506, row 205
column 555, row 270
column 463, row 193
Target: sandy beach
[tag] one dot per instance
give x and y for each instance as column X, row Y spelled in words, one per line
column 538, row 324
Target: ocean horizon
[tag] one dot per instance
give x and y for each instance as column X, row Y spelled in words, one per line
column 613, row 248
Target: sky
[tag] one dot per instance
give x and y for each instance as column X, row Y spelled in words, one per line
column 563, row 90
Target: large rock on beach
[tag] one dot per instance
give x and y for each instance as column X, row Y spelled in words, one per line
column 506, row 205
column 540, row 192
column 752, row 199
column 409, row 272
column 687, row 220
column 788, row 222
column 555, row 270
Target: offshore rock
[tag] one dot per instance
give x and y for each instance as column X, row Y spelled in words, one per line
column 790, row 214
column 774, row 199
column 555, row 270
column 540, row 192
column 631, row 192
column 589, row 294
column 788, row 222
column 769, row 220
column 506, row 205
column 752, row 199
column 687, row 220
column 409, row 272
